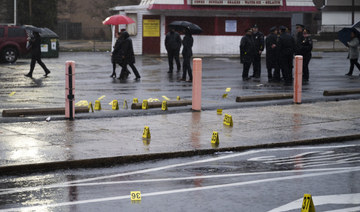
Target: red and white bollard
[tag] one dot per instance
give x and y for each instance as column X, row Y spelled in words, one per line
column 70, row 90
column 298, row 79
column 196, row 84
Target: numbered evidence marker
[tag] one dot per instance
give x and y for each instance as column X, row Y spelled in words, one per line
column 135, row 196
column 219, row 111
column 115, row 105
column 224, row 95
column 164, row 105
column 146, row 133
column 308, row 204
column 178, row 98
column 215, row 138
column 97, row 105
column 135, row 100
column 91, row 107
column 228, row 90
column 145, row 105
column 228, row 120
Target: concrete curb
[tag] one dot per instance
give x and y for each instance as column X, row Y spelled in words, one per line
column 265, row 97
column 341, row 92
column 118, row 160
column 41, row 111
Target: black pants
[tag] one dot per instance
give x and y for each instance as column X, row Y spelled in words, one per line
column 137, row 75
column 246, row 68
column 306, row 62
column 187, row 67
column 171, row 55
column 353, row 62
column 38, row 60
column 257, row 65
column 286, row 68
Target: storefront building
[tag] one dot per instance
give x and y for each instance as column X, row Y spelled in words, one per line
column 223, row 21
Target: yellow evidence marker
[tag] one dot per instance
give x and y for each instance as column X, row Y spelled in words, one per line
column 308, row 204
column 224, row 95
column 219, row 111
column 97, row 105
column 145, row 105
column 228, row 120
column 115, row 105
column 228, row 90
column 12, row 93
column 164, row 97
column 135, row 195
column 178, row 98
column 101, row 97
column 215, row 138
column 164, row 105
column 146, row 133
column 135, row 100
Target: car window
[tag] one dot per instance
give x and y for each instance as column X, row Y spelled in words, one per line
column 2, row 30
column 16, row 32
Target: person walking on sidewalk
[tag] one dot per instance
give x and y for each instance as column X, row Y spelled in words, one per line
column 272, row 55
column 258, row 38
column 353, row 45
column 173, row 45
column 127, row 52
column 187, row 54
column 115, row 56
column 34, row 45
column 247, row 51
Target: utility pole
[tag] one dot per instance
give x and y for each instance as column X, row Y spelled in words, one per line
column 15, row 12
column 30, row 11
column 353, row 12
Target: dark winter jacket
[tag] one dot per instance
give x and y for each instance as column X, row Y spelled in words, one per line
column 258, row 38
column 306, row 46
column 247, row 49
column 116, row 54
column 127, row 49
column 172, row 41
column 187, row 45
column 35, row 43
column 271, row 53
column 286, row 45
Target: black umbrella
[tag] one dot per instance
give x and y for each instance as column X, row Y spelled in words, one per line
column 33, row 28
column 345, row 33
column 181, row 25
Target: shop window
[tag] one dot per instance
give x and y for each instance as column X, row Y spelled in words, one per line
column 132, row 28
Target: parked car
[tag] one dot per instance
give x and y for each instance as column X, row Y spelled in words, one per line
column 13, row 41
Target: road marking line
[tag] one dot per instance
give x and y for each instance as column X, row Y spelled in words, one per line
column 9, row 191
column 352, row 169
column 352, row 209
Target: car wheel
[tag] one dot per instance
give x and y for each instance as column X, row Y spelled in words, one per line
column 10, row 55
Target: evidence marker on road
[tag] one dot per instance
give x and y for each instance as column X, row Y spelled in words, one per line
column 91, row 107
column 135, row 100
column 228, row 121
column 219, row 111
column 308, row 204
column 145, row 104
column 135, row 197
column 146, row 133
column 97, row 105
column 115, row 105
column 125, row 105
column 164, row 106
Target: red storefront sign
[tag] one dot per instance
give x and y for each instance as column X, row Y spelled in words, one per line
column 238, row 2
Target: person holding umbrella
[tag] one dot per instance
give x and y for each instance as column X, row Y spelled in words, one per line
column 34, row 45
column 353, row 45
column 128, row 56
column 187, row 54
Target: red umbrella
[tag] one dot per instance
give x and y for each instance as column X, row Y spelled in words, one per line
column 118, row 19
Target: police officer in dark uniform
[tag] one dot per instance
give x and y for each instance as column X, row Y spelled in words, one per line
column 305, row 51
column 247, row 52
column 258, row 38
column 299, row 37
column 271, row 42
column 286, row 54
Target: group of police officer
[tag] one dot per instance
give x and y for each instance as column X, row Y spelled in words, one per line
column 280, row 50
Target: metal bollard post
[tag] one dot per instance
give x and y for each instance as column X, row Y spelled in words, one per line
column 298, row 79
column 70, row 90
column 196, row 84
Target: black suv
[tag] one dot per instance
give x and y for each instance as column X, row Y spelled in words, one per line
column 13, row 41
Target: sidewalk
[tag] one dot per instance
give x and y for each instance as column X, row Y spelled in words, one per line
column 28, row 146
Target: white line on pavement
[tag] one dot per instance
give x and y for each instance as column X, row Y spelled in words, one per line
column 181, row 190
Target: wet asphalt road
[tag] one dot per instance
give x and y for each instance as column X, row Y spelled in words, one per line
column 93, row 81
column 257, row 180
